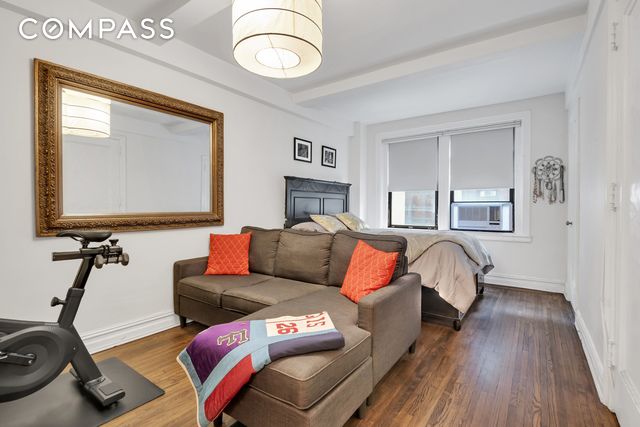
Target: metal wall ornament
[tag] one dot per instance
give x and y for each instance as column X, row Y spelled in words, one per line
column 548, row 180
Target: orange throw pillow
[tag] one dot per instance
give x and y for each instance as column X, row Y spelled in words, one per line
column 229, row 254
column 369, row 270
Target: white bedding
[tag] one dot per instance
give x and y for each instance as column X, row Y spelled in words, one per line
column 447, row 262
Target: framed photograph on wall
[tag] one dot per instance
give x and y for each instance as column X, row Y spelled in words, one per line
column 329, row 156
column 302, row 150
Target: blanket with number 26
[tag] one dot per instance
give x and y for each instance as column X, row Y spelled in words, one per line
column 221, row 359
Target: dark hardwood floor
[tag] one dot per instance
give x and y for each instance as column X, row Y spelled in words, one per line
column 517, row 362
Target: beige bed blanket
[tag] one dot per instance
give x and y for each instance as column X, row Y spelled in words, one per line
column 447, row 262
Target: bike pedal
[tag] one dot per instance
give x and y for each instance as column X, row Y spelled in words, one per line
column 105, row 391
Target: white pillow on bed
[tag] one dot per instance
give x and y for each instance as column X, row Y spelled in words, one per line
column 329, row 223
column 309, row 226
column 352, row 221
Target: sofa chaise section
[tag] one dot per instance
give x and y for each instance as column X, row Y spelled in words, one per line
column 303, row 380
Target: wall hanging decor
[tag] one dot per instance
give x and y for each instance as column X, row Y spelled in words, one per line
column 302, row 150
column 548, row 180
column 329, row 156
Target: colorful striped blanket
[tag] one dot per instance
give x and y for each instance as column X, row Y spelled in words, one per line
column 221, row 360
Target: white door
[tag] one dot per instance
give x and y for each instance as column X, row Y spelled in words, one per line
column 573, row 201
column 94, row 180
column 627, row 389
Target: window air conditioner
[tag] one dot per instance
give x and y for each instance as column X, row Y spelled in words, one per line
column 494, row 216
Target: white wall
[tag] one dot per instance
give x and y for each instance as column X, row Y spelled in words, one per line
column 258, row 153
column 539, row 262
column 357, row 168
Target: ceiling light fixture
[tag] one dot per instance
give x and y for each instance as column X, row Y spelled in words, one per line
column 84, row 114
column 278, row 38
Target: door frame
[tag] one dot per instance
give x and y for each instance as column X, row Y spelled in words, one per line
column 573, row 202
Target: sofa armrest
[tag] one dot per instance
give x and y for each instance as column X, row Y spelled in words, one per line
column 393, row 318
column 186, row 268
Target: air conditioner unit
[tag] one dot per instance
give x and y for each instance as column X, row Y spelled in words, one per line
column 496, row 216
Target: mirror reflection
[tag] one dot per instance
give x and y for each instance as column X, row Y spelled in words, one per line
column 119, row 158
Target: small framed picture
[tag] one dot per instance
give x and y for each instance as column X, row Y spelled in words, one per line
column 302, row 150
column 328, row 156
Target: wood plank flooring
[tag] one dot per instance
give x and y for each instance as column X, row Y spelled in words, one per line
column 517, row 362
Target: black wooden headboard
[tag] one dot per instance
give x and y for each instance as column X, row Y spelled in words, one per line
column 305, row 197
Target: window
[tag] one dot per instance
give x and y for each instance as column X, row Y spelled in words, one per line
column 413, row 184
column 465, row 176
column 482, row 181
column 413, row 209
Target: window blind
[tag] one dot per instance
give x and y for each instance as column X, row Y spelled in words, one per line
column 413, row 166
column 482, row 160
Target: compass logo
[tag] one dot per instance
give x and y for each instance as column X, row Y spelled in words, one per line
column 54, row 29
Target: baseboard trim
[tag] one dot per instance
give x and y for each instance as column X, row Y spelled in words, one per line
column 628, row 401
column 593, row 359
column 122, row 333
column 526, row 282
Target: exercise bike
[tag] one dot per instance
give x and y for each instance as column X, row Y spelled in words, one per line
column 32, row 354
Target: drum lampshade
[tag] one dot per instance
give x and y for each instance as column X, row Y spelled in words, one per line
column 278, row 38
column 84, row 114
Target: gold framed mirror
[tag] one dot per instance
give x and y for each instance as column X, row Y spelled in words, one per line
column 113, row 156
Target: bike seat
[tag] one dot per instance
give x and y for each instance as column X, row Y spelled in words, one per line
column 86, row 236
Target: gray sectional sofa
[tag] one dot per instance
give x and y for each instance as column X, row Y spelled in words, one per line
column 294, row 273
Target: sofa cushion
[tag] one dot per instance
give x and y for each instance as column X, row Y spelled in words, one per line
column 303, row 256
column 262, row 251
column 209, row 288
column 304, row 379
column 344, row 242
column 369, row 270
column 249, row 299
column 228, row 254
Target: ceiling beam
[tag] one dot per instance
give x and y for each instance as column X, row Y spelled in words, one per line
column 195, row 12
column 466, row 54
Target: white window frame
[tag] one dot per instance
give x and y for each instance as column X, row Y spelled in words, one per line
column 522, row 175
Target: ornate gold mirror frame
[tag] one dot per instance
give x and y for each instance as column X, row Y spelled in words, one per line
column 50, row 219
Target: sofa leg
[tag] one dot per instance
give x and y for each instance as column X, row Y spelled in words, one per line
column 218, row 421
column 362, row 410
column 183, row 321
column 369, row 400
column 412, row 347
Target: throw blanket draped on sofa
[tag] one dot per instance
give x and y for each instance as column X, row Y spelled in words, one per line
column 221, row 359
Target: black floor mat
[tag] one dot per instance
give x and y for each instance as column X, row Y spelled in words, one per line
column 63, row 403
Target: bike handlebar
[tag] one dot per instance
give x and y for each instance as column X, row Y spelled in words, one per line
column 66, row 256
column 102, row 255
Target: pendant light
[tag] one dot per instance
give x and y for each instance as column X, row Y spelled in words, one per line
column 278, row 38
column 84, row 114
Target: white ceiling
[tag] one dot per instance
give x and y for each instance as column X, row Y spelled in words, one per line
column 137, row 9
column 361, row 36
column 524, row 73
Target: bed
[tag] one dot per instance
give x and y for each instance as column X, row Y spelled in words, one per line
column 449, row 262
